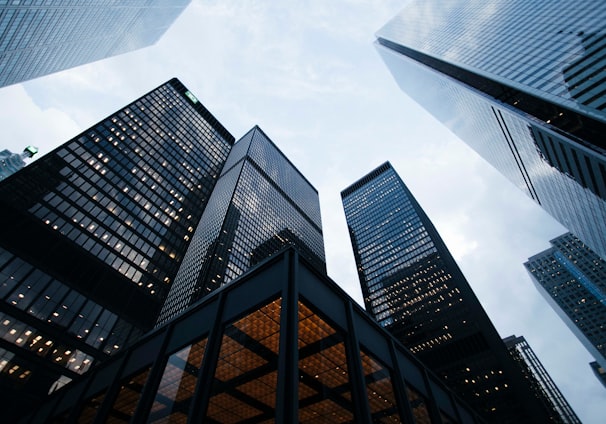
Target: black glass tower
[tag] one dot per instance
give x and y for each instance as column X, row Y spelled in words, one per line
column 541, row 381
column 572, row 278
column 38, row 38
column 523, row 83
column 261, row 203
column 94, row 233
column 413, row 288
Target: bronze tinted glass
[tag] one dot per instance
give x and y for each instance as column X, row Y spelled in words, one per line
column 125, row 404
column 324, row 389
column 381, row 397
column 178, row 385
column 244, row 387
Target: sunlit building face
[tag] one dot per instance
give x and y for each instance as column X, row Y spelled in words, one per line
column 523, row 83
column 38, row 38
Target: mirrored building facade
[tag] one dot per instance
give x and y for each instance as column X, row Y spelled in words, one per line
column 94, row 233
column 282, row 343
column 523, row 83
column 261, row 203
column 541, row 381
column 414, row 289
column 41, row 37
column 12, row 162
column 572, row 278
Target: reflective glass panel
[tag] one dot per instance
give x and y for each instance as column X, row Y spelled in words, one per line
column 178, row 385
column 381, row 397
column 91, row 407
column 128, row 398
column 324, row 389
column 246, row 376
column 418, row 404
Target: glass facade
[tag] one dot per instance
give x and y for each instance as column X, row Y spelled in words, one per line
column 523, row 83
column 260, row 204
column 414, row 289
column 12, row 162
column 280, row 344
column 98, row 229
column 572, row 278
column 41, row 37
column 542, row 383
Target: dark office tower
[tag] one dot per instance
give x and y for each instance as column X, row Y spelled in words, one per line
column 38, row 39
column 524, row 84
column 413, row 288
column 541, row 382
column 260, row 204
column 12, row 162
column 572, row 279
column 94, row 232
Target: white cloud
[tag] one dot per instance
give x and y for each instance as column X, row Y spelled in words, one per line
column 24, row 123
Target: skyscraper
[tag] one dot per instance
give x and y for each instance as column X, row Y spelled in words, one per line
column 12, row 162
column 413, row 288
column 523, row 83
column 541, row 381
column 572, row 279
column 38, row 39
column 94, row 233
column 261, row 203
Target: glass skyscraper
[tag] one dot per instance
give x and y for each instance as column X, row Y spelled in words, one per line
column 12, row 162
column 524, row 84
column 413, row 288
column 541, row 381
column 94, row 232
column 572, row 279
column 261, row 203
column 41, row 37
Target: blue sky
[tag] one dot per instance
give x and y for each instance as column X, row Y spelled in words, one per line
column 307, row 73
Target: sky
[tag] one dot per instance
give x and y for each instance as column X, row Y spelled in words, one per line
column 308, row 74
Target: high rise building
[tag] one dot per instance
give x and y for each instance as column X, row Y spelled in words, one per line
column 413, row 288
column 93, row 235
column 38, row 39
column 572, row 279
column 523, row 83
column 281, row 343
column 12, row 162
column 541, row 381
column 261, row 203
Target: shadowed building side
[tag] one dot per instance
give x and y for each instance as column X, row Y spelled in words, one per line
column 93, row 235
column 414, row 289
